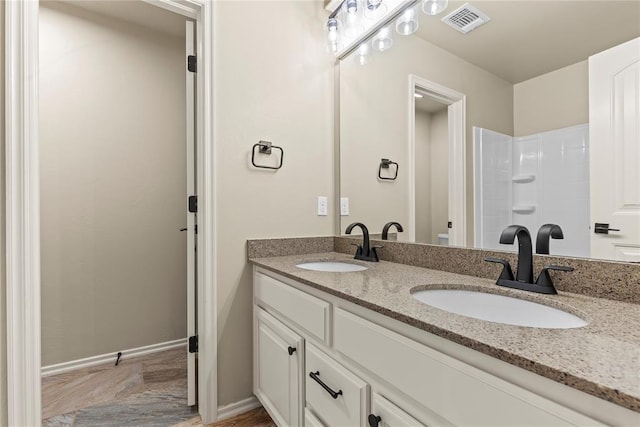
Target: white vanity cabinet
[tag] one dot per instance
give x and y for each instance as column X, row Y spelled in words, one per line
column 387, row 414
column 457, row 392
column 282, row 318
column 354, row 367
column 278, row 363
column 334, row 394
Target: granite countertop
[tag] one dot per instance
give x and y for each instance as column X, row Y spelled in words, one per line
column 602, row 358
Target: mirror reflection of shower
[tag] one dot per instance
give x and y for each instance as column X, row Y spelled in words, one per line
column 533, row 180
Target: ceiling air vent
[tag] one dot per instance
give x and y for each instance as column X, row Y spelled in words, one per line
column 466, row 18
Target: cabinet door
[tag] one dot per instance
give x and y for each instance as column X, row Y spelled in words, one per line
column 278, row 359
column 386, row 414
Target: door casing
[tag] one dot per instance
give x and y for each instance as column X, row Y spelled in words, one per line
column 22, row 228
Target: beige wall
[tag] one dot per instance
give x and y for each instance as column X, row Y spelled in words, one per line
column 432, row 175
column 373, row 124
column 113, row 185
column 552, row 101
column 273, row 81
column 440, row 174
column 423, row 176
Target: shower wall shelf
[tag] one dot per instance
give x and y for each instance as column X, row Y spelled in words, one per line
column 523, row 209
column 523, row 178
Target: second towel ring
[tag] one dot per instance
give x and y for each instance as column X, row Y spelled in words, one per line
column 385, row 164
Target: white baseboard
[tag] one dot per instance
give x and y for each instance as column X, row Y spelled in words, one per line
column 237, row 408
column 60, row 368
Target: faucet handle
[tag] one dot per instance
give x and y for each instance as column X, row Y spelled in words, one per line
column 373, row 254
column 544, row 279
column 507, row 273
column 358, row 248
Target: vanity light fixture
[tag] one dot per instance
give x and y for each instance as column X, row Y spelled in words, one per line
column 354, row 26
column 332, row 35
column 375, row 9
column 355, row 20
column 363, row 53
column 407, row 23
column 382, row 40
column 434, row 7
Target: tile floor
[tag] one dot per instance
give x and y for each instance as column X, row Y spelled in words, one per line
column 255, row 418
column 144, row 391
column 148, row 390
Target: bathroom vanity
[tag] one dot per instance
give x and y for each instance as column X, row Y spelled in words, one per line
column 356, row 349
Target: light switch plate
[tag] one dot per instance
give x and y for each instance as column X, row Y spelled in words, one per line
column 344, row 206
column 323, row 208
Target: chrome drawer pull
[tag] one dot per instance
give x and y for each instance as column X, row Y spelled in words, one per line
column 315, row 376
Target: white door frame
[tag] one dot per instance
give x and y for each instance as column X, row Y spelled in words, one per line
column 23, row 208
column 457, row 156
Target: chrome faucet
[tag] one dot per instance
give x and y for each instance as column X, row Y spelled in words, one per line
column 387, row 226
column 524, row 277
column 364, row 252
column 545, row 234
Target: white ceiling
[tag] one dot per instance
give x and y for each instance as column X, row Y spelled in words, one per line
column 136, row 12
column 525, row 39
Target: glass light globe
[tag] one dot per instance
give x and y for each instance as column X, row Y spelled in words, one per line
column 332, row 35
column 363, row 53
column 382, row 40
column 434, row 7
column 353, row 26
column 352, row 6
column 407, row 23
column 375, row 9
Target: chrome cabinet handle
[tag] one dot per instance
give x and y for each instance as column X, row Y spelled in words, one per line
column 316, row 377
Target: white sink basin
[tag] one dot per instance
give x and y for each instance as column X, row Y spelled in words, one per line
column 330, row 266
column 499, row 309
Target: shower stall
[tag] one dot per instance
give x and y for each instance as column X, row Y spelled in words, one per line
column 533, row 180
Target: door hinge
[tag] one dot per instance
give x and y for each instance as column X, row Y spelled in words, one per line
column 192, row 63
column 193, row 344
column 193, row 204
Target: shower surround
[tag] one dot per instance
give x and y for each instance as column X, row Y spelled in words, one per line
column 533, row 180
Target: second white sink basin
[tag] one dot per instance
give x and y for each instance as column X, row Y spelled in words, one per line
column 499, row 308
column 331, row 266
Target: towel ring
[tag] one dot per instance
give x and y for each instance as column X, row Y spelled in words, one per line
column 265, row 147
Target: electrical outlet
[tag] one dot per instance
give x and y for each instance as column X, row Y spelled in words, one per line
column 344, row 206
column 323, row 207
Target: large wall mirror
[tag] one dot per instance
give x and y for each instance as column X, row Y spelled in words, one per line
column 531, row 118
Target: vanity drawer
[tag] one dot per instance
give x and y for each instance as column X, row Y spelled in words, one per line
column 441, row 383
column 389, row 415
column 349, row 403
column 311, row 420
column 305, row 311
